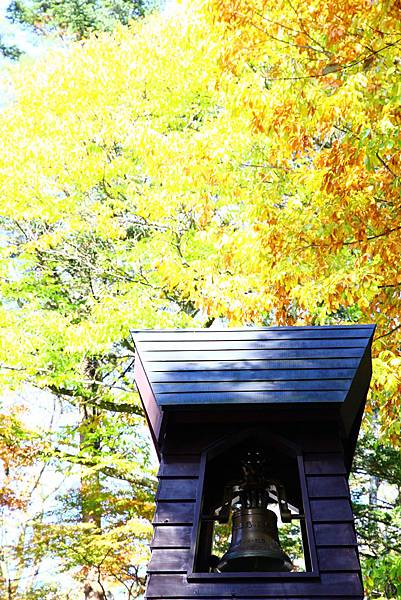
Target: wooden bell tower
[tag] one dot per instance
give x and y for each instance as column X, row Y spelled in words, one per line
column 292, row 397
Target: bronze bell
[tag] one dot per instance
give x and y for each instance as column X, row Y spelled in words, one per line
column 254, row 545
column 255, row 542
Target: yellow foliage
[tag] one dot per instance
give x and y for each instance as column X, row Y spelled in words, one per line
column 245, row 164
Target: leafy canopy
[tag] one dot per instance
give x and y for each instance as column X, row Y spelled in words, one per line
column 245, row 165
column 73, row 18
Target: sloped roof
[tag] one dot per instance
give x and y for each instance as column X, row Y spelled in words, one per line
column 272, row 365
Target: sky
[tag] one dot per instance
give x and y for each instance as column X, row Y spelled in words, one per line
column 34, row 46
column 14, row 34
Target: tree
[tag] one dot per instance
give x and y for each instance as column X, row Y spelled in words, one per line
column 99, row 527
column 97, row 535
column 20, row 472
column 69, row 19
column 76, row 19
column 319, row 90
column 9, row 50
column 243, row 166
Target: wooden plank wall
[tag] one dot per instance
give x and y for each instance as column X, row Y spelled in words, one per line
column 331, row 513
column 336, row 550
column 174, row 515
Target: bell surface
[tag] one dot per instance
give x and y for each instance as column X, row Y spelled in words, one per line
column 255, row 543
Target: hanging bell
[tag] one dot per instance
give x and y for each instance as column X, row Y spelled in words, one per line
column 255, row 544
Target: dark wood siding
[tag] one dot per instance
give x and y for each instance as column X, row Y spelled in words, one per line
column 330, row 486
column 173, row 489
column 174, row 515
column 344, row 585
column 334, row 534
column 173, row 536
column 338, row 574
column 331, row 513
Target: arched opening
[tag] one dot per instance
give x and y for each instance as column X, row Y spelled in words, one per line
column 252, row 509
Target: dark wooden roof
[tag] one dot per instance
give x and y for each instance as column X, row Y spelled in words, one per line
column 269, row 366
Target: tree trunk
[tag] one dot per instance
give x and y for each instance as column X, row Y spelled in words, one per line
column 90, row 485
column 373, row 489
column 93, row 591
column 90, row 492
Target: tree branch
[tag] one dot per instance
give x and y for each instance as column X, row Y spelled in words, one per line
column 99, row 403
column 106, row 470
column 388, row 332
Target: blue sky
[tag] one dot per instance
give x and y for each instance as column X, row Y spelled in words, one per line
column 13, row 33
column 35, row 45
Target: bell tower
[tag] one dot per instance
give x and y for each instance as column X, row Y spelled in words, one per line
column 256, row 431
